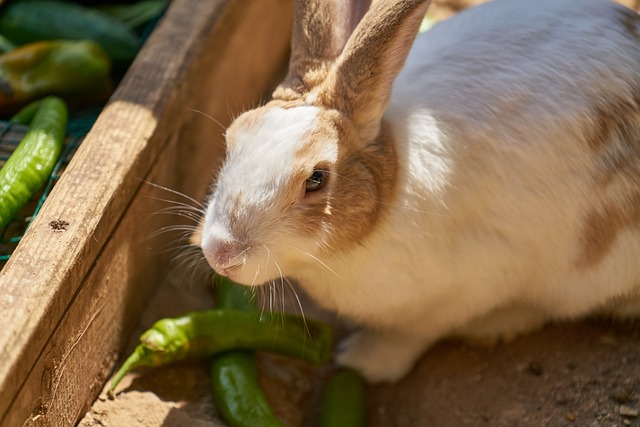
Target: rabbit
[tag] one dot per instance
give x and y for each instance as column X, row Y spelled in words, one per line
column 478, row 180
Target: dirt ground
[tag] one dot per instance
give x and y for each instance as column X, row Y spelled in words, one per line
column 578, row 374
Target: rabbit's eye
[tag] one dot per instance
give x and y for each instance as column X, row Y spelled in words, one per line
column 316, row 180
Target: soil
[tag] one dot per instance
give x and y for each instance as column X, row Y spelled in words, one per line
column 573, row 374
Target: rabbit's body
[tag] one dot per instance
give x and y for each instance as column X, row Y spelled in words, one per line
column 515, row 196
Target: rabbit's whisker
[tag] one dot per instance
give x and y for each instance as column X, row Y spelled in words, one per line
column 178, row 193
column 319, row 262
column 298, row 303
column 186, row 230
column 409, row 208
column 181, row 209
column 177, row 203
column 236, row 257
column 208, row 116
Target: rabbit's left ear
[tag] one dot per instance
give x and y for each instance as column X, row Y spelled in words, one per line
column 320, row 30
column 359, row 84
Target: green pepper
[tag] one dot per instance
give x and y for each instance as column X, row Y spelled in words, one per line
column 134, row 15
column 204, row 333
column 32, row 162
column 26, row 114
column 234, row 374
column 343, row 400
column 28, row 21
column 236, row 392
column 74, row 70
column 230, row 295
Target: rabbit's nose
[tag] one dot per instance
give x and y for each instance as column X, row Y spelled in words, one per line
column 223, row 254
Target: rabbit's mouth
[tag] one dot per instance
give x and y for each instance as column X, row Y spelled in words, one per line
column 244, row 264
column 229, row 269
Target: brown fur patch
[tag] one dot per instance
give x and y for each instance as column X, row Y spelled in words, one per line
column 365, row 185
column 613, row 116
column 247, row 120
column 618, row 146
column 326, row 129
column 360, row 187
column 603, row 225
column 616, row 139
column 630, row 21
column 288, row 103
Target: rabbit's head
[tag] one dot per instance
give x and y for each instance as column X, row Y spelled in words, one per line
column 312, row 170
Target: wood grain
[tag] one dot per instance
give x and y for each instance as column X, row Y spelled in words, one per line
column 69, row 300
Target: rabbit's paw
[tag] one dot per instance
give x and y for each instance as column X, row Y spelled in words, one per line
column 380, row 357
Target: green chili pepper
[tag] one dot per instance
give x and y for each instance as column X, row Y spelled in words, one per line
column 204, row 333
column 28, row 21
column 78, row 70
column 134, row 15
column 343, row 400
column 230, row 295
column 236, row 392
column 234, row 374
column 32, row 162
column 26, row 114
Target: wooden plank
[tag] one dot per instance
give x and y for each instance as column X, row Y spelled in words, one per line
column 82, row 350
column 47, row 268
column 66, row 368
column 84, row 347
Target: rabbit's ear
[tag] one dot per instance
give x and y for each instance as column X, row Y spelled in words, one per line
column 363, row 74
column 320, row 30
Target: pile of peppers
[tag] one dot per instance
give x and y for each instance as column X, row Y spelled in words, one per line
column 67, row 49
column 228, row 336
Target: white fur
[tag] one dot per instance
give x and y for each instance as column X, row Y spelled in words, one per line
column 495, row 180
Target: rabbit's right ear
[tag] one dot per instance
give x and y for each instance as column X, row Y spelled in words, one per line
column 321, row 29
